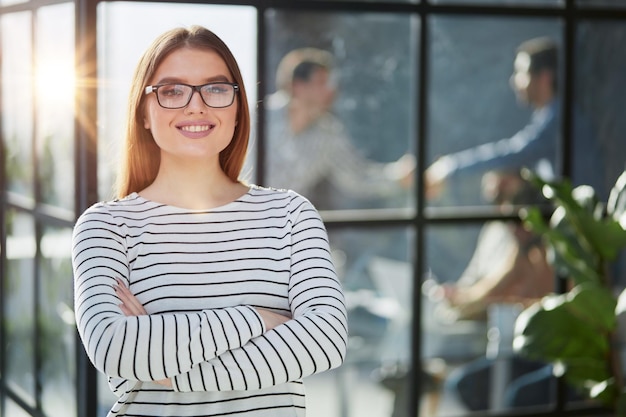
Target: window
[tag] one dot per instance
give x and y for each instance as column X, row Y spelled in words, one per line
column 409, row 83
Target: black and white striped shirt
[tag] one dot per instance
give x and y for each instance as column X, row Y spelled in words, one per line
column 200, row 274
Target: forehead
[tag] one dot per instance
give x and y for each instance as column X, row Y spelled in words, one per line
column 188, row 64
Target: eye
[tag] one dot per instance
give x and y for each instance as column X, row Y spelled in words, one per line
column 217, row 88
column 172, row 90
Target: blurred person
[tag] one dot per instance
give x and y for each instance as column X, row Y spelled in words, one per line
column 508, row 266
column 309, row 148
column 195, row 293
column 536, row 145
column 509, row 263
column 509, row 269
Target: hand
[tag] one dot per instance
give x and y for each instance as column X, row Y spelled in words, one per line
column 402, row 171
column 271, row 319
column 435, row 177
column 131, row 306
column 407, row 166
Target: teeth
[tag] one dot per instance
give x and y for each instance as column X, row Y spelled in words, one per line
column 195, row 128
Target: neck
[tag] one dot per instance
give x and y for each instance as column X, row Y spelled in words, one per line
column 193, row 185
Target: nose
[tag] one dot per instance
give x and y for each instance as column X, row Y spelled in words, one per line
column 196, row 104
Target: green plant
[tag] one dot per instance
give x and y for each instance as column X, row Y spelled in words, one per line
column 577, row 330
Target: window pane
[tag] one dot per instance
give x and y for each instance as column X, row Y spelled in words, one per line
column 17, row 100
column 341, row 135
column 481, row 277
column 600, row 84
column 55, row 94
column 376, row 274
column 14, row 410
column 599, row 87
column 477, row 122
column 18, row 305
column 57, row 325
column 127, row 28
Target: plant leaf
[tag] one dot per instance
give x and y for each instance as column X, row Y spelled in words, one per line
column 593, row 304
column 605, row 236
column 616, row 205
column 581, row 371
column 551, row 331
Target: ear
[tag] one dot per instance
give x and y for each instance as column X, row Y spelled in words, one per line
column 146, row 123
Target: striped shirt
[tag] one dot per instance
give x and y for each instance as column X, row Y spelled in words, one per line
column 200, row 274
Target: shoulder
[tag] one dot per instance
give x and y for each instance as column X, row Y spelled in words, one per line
column 286, row 198
column 111, row 211
column 269, row 193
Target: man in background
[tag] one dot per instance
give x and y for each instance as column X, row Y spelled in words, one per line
column 309, row 149
column 536, row 145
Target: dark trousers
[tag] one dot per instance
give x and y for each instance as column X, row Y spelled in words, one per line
column 531, row 383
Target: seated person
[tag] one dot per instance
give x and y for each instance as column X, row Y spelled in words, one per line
column 509, row 265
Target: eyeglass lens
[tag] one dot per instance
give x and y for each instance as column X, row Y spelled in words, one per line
column 179, row 95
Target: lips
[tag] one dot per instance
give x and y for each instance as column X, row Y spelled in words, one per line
column 195, row 130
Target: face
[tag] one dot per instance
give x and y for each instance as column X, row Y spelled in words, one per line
column 195, row 131
column 318, row 92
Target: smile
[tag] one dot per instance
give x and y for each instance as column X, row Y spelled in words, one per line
column 195, row 128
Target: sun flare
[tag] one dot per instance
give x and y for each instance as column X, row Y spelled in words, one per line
column 55, row 83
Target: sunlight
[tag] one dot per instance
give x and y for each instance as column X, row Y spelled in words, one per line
column 55, row 83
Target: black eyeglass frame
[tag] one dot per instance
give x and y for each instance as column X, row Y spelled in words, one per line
column 194, row 88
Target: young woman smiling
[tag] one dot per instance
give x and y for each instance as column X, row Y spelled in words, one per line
column 195, row 293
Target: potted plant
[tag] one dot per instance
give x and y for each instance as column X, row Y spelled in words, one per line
column 577, row 330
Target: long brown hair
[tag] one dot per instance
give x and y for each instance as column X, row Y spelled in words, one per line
column 141, row 156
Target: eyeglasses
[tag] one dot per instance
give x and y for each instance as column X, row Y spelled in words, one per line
column 177, row 96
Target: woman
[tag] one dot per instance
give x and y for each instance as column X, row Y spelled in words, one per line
column 195, row 294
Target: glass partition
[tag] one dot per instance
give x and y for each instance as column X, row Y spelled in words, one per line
column 342, row 134
column 126, row 30
column 599, row 82
column 377, row 276
column 57, row 344
column 19, row 306
column 54, row 87
column 488, row 112
column 18, row 120
column 481, row 276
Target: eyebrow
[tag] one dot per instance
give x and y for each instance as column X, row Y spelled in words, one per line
column 175, row 80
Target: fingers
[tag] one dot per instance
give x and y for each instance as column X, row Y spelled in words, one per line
column 130, row 305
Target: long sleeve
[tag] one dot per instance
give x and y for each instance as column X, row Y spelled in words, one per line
column 537, row 141
column 314, row 341
column 150, row 347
